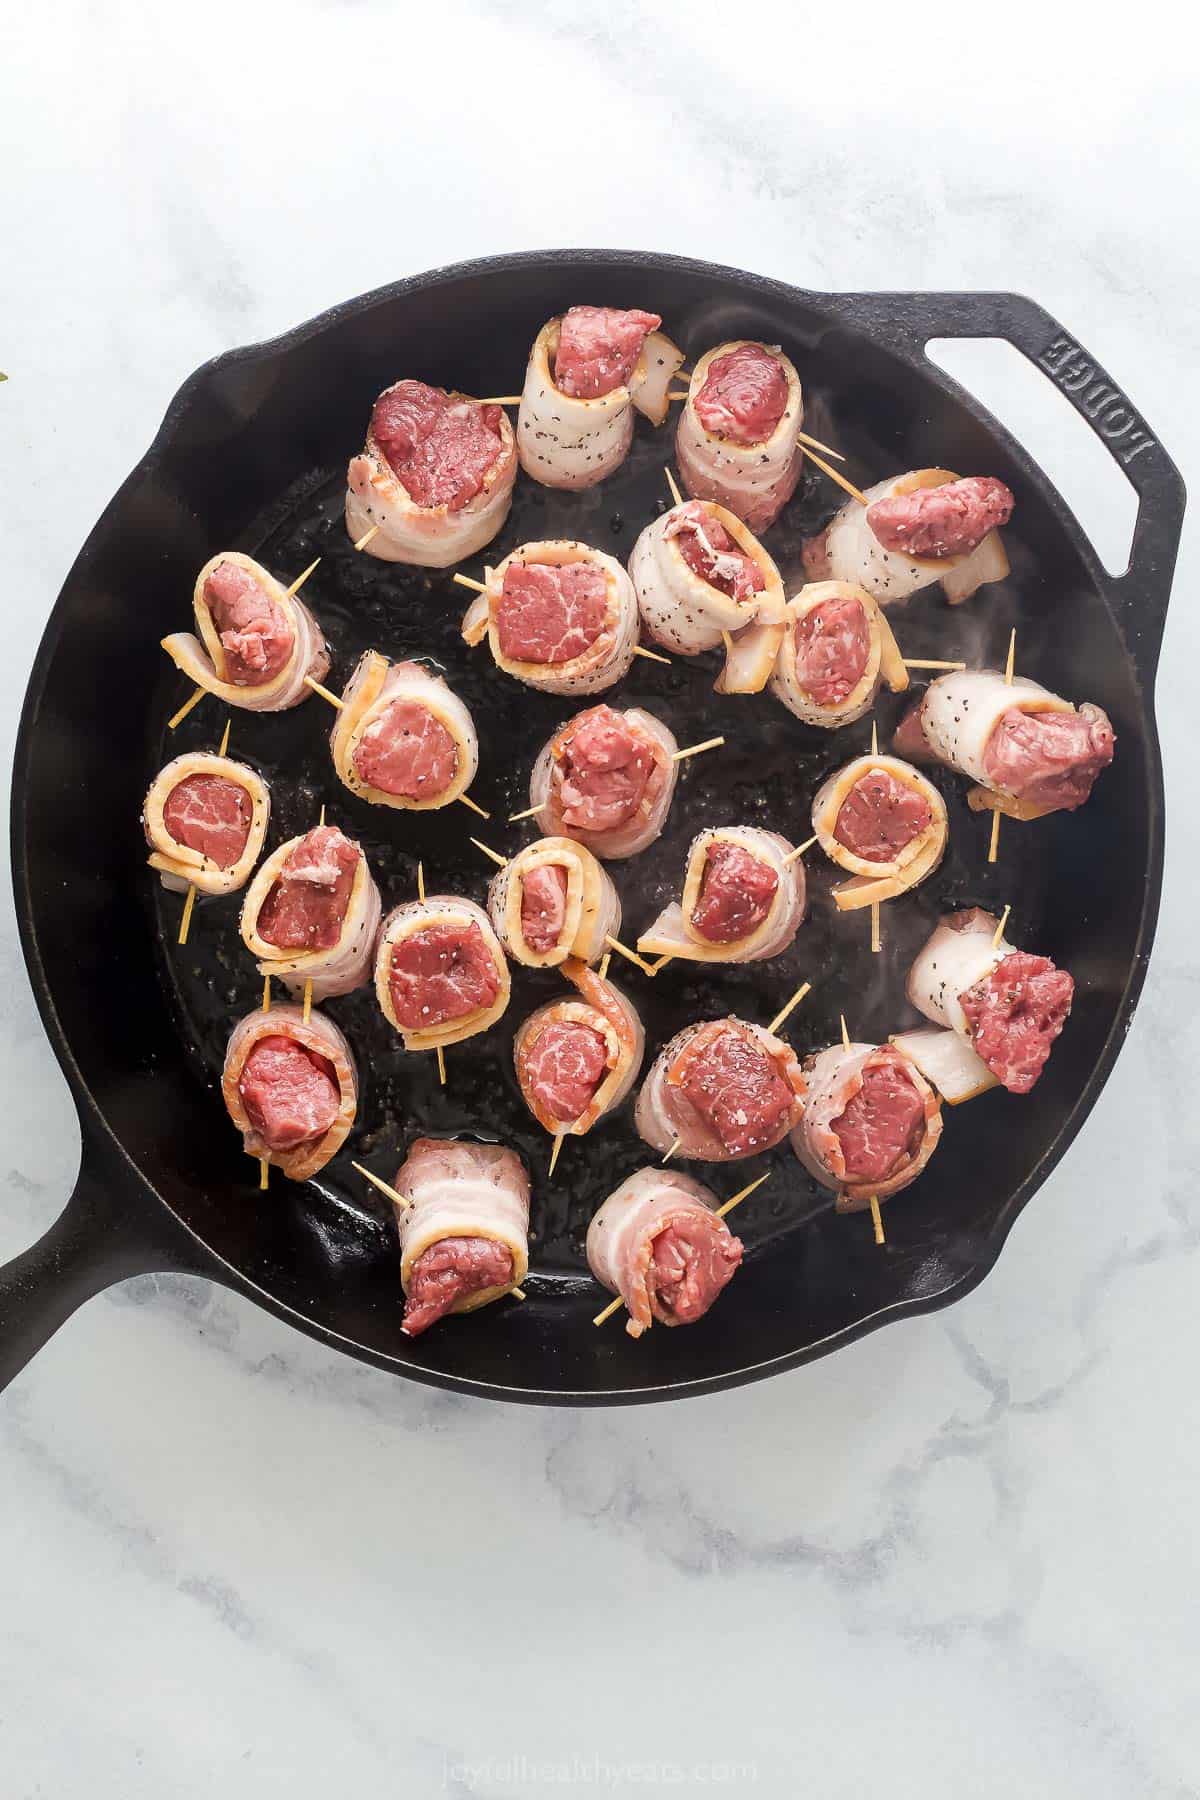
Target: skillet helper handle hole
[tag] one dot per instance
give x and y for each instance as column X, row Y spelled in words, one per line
column 102, row 1236
column 1139, row 585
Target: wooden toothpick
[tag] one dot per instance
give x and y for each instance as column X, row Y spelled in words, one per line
column 307, row 1001
column 836, row 475
column 994, row 841
column 266, row 999
column 795, row 855
column 920, row 662
column 362, row 542
column 502, row 400
column 874, row 738
column 629, row 955
column 816, row 444
column 185, row 709
column 845, row 1033
column 676, row 496
column 441, row 1062
column 651, row 655
column 316, row 688
column 530, row 812
column 999, row 932
column 697, row 749
column 604, row 962
column 558, row 1144
column 225, row 738
column 742, row 1194
column 877, row 1219
column 264, row 1172
column 797, row 997
column 301, row 579
column 672, row 1150
column 876, row 940
column 473, row 806
column 185, row 923
column 1012, row 652
column 385, row 1187
column 480, row 587
column 421, row 883
column 500, row 861
column 612, row 1307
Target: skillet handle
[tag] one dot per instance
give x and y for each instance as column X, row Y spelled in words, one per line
column 1138, row 597
column 102, row 1236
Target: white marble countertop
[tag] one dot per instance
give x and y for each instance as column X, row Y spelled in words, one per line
column 959, row 1557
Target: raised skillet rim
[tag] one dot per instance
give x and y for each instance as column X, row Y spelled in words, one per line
column 191, row 1253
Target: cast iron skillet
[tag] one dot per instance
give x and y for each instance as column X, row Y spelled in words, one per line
column 252, row 454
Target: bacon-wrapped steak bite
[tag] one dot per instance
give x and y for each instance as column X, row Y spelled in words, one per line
column 743, row 901
column 403, row 738
column 724, row 1089
column 577, row 1059
column 737, row 439
column 257, row 643
column 837, row 650
column 658, row 1243
column 871, row 1122
column 440, row 972
column 1029, row 751
column 553, row 900
column 312, row 914
column 205, row 818
column 884, row 823
column 558, row 616
column 702, row 580
column 435, row 476
column 925, row 526
column 998, row 1009
column 291, row 1088
column 588, row 370
column 464, row 1234
column 607, row 779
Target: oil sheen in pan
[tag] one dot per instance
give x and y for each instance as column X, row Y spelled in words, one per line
column 766, row 775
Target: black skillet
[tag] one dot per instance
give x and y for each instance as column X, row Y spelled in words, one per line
column 252, row 455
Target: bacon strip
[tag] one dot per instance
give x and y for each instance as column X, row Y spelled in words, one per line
column 202, row 659
column 755, row 481
column 623, row 1235
column 181, row 867
column 322, row 1037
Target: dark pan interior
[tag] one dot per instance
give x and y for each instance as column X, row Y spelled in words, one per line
column 254, row 459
